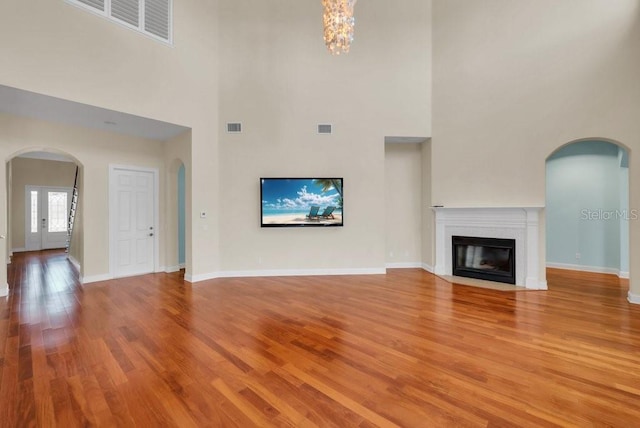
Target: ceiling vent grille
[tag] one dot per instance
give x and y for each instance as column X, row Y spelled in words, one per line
column 324, row 128
column 234, row 128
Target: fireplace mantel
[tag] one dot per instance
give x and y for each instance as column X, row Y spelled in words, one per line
column 519, row 223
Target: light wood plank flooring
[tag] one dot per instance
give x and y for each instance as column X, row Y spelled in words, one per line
column 402, row 349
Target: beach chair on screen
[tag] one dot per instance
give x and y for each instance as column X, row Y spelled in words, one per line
column 328, row 212
column 313, row 213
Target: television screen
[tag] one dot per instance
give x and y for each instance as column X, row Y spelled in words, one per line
column 301, row 202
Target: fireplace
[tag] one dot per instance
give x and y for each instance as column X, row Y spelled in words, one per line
column 490, row 259
column 518, row 223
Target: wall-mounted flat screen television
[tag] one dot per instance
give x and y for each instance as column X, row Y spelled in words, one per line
column 301, row 202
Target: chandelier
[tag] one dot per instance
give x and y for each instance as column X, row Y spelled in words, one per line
column 338, row 23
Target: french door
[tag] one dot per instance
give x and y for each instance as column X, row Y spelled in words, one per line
column 46, row 217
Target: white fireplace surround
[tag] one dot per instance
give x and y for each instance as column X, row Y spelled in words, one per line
column 519, row 223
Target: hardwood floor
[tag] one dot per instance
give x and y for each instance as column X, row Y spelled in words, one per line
column 402, row 349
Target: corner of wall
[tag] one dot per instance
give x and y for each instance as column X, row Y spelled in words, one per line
column 76, row 264
column 87, row 279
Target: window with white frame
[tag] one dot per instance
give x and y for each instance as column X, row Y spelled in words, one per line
column 151, row 17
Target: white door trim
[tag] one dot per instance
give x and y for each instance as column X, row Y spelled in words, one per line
column 113, row 215
column 28, row 241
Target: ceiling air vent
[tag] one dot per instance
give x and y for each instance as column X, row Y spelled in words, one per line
column 234, row 128
column 324, row 129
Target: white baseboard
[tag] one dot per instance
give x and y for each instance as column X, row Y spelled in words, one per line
column 286, row 272
column 4, row 291
column 404, row 265
column 182, row 265
column 428, row 268
column 201, row 277
column 633, row 298
column 542, row 285
column 592, row 269
column 74, row 262
column 176, row 268
column 96, row 278
column 18, row 250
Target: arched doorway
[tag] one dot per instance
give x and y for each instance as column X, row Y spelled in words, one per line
column 587, row 207
column 176, row 249
column 181, row 216
column 39, row 186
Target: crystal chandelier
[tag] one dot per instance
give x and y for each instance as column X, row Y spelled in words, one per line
column 338, row 23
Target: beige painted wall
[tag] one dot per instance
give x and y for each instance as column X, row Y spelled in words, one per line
column 279, row 81
column 18, row 135
column 513, row 81
column 267, row 69
column 60, row 50
column 403, row 204
column 34, row 172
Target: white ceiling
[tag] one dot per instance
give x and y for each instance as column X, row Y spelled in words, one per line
column 37, row 106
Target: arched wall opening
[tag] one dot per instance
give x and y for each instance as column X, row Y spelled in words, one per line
column 181, row 216
column 587, row 207
column 43, row 167
column 176, row 214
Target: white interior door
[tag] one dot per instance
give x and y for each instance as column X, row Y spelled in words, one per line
column 47, row 216
column 133, row 231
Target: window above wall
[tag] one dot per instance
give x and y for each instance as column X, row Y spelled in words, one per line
column 150, row 17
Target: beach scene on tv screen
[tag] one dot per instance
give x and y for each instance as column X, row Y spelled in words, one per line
column 301, row 202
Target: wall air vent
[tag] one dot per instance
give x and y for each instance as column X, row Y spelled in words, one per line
column 324, row 128
column 234, row 128
column 157, row 18
column 97, row 4
column 150, row 17
column 126, row 11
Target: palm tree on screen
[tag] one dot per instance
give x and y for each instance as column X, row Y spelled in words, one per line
column 328, row 184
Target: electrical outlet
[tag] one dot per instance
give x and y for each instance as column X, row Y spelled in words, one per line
column 577, row 256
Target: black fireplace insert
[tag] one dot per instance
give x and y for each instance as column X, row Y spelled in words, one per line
column 490, row 259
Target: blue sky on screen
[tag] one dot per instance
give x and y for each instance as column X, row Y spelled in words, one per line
column 295, row 193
